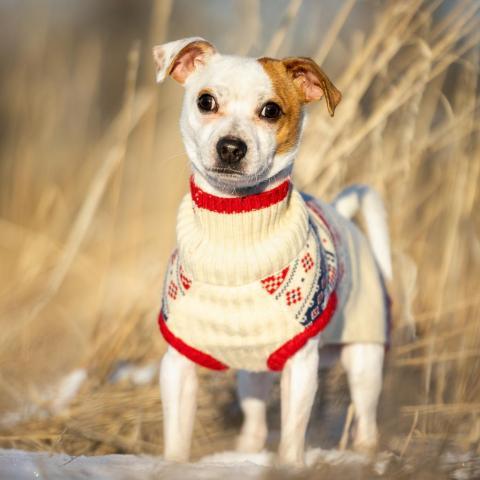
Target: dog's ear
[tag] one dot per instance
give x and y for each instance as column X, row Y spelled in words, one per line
column 312, row 82
column 180, row 58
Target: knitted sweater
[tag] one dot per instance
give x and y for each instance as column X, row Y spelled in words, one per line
column 253, row 278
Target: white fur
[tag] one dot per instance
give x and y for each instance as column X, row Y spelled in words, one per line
column 363, row 363
column 178, row 387
column 230, row 80
column 347, row 203
column 164, row 55
column 367, row 200
column 241, row 86
column 298, row 386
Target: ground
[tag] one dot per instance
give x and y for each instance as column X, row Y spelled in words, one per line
column 21, row 465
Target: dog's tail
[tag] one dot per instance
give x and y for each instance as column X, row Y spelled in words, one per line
column 368, row 202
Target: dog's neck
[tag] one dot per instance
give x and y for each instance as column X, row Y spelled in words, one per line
column 236, row 240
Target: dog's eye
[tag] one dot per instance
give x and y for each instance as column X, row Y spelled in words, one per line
column 271, row 111
column 207, row 103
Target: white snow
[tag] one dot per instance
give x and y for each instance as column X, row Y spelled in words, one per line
column 54, row 399
column 20, row 465
column 67, row 390
column 51, row 401
column 136, row 374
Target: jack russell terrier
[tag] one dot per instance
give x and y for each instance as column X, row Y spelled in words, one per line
column 264, row 276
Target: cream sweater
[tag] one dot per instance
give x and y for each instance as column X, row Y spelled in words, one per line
column 253, row 278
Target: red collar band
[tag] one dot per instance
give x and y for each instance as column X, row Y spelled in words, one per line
column 248, row 203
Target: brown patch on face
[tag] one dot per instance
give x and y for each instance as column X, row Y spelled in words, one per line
column 287, row 95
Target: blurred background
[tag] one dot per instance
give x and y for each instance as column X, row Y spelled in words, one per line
column 92, row 170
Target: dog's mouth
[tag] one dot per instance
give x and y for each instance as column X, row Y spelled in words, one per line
column 226, row 170
column 231, row 179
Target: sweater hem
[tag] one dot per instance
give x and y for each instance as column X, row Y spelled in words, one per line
column 196, row 356
column 276, row 361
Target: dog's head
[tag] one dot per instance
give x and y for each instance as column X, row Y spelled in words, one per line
column 242, row 117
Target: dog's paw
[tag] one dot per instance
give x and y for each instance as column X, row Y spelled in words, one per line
column 289, row 457
column 251, row 443
column 368, row 449
column 176, row 456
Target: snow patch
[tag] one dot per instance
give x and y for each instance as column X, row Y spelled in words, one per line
column 135, row 374
column 264, row 459
column 20, row 465
column 53, row 400
column 67, row 390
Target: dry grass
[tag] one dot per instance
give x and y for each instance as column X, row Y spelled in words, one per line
column 89, row 186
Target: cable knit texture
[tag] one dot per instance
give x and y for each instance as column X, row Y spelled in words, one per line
column 253, row 278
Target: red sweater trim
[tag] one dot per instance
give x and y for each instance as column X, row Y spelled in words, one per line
column 191, row 353
column 238, row 204
column 276, row 361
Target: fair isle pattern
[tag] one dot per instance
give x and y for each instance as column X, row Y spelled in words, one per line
column 166, row 285
column 273, row 282
column 172, row 290
column 305, row 285
column 330, row 242
column 325, row 284
column 294, row 296
column 186, row 282
column 177, row 282
column 307, row 262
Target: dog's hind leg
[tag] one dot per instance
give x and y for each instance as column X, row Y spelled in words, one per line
column 298, row 386
column 178, row 388
column 253, row 391
column 363, row 363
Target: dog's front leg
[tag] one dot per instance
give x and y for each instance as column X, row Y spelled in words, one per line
column 178, row 388
column 298, row 386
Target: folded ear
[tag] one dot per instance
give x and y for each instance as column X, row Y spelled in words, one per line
column 312, row 81
column 180, row 58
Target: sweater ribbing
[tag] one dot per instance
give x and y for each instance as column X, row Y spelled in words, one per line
column 238, row 248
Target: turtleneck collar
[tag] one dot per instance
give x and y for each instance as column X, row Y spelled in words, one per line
column 242, row 204
column 234, row 241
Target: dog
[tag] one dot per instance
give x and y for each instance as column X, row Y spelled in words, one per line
column 265, row 278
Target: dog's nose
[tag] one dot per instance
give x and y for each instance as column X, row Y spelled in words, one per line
column 231, row 149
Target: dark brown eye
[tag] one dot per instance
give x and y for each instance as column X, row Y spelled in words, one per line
column 271, row 111
column 207, row 103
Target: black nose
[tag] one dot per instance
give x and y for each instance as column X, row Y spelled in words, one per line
column 231, row 150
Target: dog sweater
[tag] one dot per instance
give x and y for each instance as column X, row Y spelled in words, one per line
column 253, row 278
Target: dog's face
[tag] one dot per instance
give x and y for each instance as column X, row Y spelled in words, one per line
column 242, row 117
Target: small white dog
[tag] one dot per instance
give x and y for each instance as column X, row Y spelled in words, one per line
column 264, row 276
